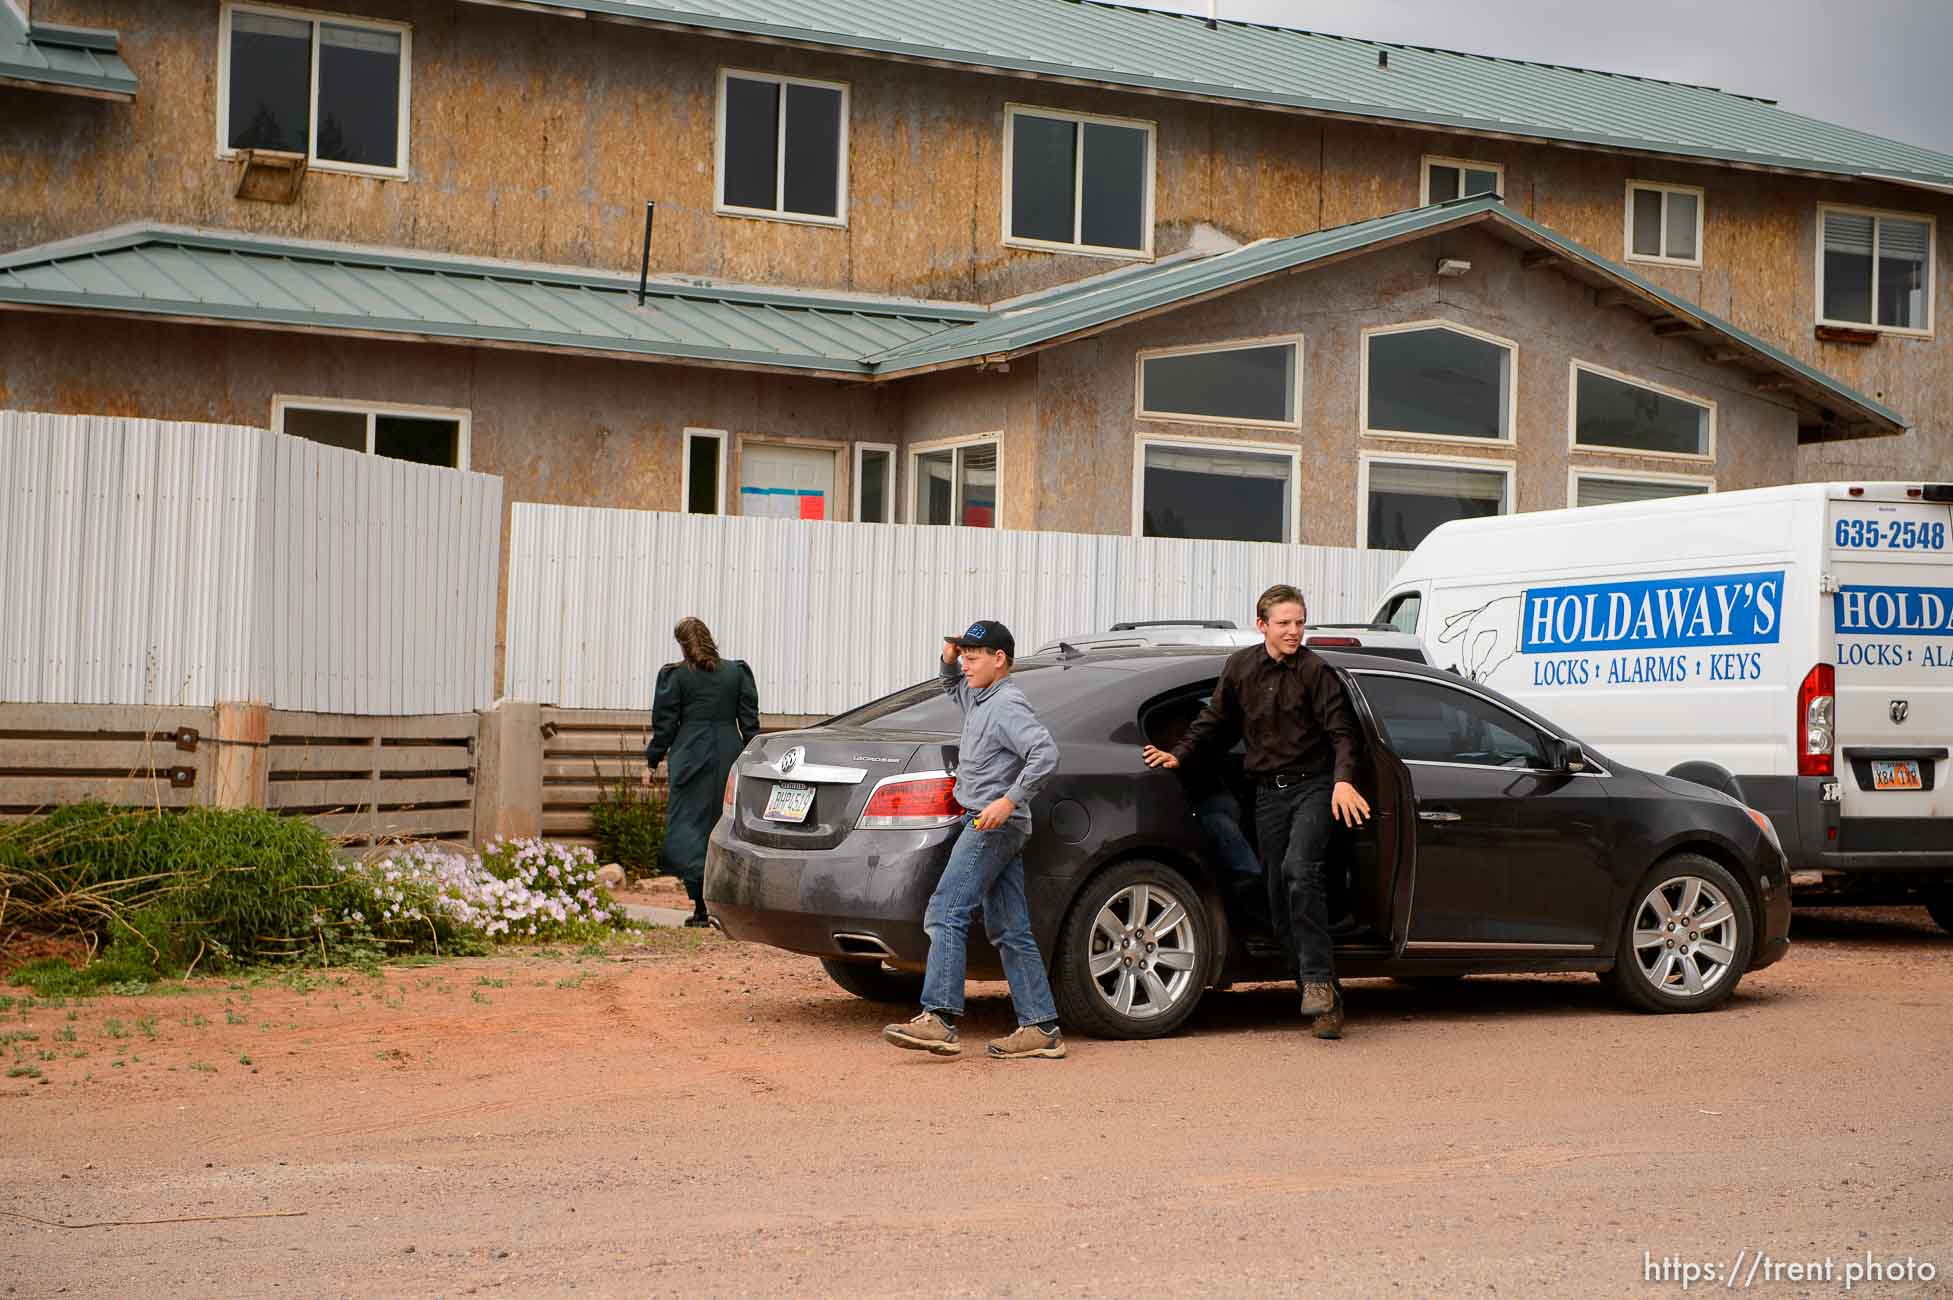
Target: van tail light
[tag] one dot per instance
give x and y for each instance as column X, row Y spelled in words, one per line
column 1333, row 642
column 914, row 802
column 732, row 788
column 1817, row 704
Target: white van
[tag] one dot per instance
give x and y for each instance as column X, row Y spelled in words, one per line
column 1792, row 646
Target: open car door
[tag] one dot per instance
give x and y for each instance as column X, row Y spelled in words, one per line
column 1381, row 854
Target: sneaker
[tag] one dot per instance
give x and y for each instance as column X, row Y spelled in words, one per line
column 1028, row 1041
column 1317, row 999
column 926, row 1033
column 1330, row 1023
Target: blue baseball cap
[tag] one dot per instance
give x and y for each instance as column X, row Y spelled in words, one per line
column 985, row 634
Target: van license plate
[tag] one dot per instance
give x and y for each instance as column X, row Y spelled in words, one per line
column 1895, row 774
column 792, row 803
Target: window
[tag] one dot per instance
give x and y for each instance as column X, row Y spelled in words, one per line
column 783, row 147
column 1218, row 491
column 1664, row 223
column 1437, row 380
column 332, row 89
column 874, row 483
column 1077, row 182
column 1613, row 489
column 780, row 480
column 1401, row 612
column 1460, row 178
column 1875, row 269
column 426, row 435
column 1403, row 500
column 705, row 472
column 955, row 484
column 1230, row 383
column 1430, row 722
column 1618, row 413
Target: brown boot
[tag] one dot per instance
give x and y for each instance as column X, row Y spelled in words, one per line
column 1330, row 1023
column 1317, row 998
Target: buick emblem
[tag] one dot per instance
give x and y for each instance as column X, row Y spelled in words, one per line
column 1899, row 710
column 791, row 759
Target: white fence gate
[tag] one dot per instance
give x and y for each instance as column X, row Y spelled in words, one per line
column 147, row 562
column 830, row 615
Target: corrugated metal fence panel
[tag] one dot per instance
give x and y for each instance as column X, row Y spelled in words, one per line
column 127, row 558
column 830, row 615
column 163, row 563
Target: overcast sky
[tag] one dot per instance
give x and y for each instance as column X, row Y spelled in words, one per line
column 1878, row 65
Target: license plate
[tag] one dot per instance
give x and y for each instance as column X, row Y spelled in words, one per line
column 789, row 802
column 1895, row 774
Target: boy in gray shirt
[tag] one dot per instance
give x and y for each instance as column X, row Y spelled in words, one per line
column 1004, row 759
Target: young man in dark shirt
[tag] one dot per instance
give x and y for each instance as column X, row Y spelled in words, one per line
column 1289, row 706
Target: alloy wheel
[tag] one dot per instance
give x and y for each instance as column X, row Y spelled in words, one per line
column 1144, row 953
column 1685, row 938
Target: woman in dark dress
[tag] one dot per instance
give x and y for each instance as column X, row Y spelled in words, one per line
column 705, row 710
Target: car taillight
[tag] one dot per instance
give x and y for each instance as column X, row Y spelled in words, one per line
column 912, row 803
column 1333, row 641
column 732, row 788
column 1816, row 713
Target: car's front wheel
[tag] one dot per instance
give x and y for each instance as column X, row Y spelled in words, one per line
column 1686, row 938
column 874, row 981
column 1939, row 906
column 1132, row 957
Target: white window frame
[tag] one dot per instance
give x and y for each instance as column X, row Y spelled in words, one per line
column 1576, row 365
column 1932, row 269
column 1366, row 459
column 1576, row 475
column 283, row 402
column 1664, row 189
column 315, row 16
column 1292, row 453
column 1511, row 385
column 725, row 209
column 1011, row 113
column 890, row 489
column 1232, row 345
column 1463, row 165
column 918, row 449
column 694, row 434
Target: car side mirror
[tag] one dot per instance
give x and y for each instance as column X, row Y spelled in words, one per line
column 1572, row 758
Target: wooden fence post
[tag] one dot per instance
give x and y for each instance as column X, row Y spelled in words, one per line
column 508, row 771
column 242, row 734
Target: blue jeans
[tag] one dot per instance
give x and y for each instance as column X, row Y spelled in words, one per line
column 986, row 869
column 1293, row 825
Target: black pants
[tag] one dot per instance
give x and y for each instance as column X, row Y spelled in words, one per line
column 1292, row 823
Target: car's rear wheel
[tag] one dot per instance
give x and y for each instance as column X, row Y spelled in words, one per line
column 1939, row 906
column 1132, row 957
column 1686, row 938
column 874, row 981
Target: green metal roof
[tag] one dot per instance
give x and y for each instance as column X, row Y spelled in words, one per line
column 264, row 281
column 251, row 280
column 1145, row 49
column 76, row 60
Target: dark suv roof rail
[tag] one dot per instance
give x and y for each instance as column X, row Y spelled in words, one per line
column 1222, row 623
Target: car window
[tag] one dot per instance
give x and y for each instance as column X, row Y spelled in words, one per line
column 1166, row 721
column 1429, row 722
column 1401, row 611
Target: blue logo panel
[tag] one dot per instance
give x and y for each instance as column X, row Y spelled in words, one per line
column 1893, row 611
column 1659, row 614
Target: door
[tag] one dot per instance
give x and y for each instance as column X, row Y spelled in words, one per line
column 1891, row 618
column 1511, row 855
column 786, row 482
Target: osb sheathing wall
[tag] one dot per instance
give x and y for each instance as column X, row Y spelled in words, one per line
column 538, row 137
column 1090, row 433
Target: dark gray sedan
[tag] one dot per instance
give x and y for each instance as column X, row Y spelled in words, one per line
column 1499, row 844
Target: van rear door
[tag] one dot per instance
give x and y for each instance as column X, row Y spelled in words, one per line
column 1890, row 562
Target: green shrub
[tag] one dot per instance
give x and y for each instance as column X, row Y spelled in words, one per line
column 628, row 823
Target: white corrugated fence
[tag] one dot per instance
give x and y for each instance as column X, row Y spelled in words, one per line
column 830, row 615
column 150, row 562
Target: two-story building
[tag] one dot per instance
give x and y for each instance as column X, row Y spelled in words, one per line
column 1017, row 263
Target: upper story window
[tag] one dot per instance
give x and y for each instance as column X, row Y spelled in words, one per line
column 1433, row 379
column 1253, row 383
column 1874, row 269
column 1078, row 183
column 1664, row 223
column 426, row 435
column 1615, row 412
column 331, row 88
column 783, row 147
column 1460, row 178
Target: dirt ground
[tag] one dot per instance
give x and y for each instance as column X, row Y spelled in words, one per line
column 706, row 1118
